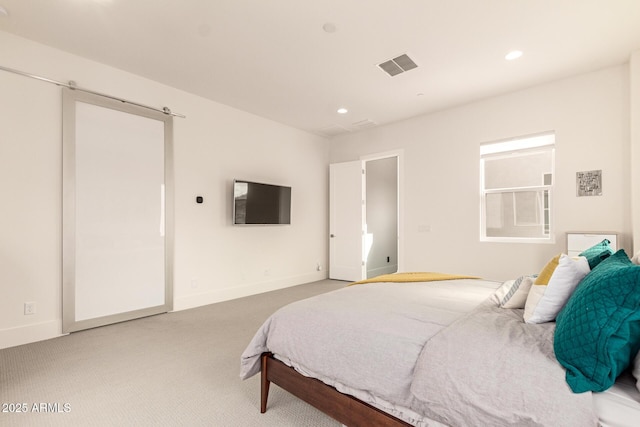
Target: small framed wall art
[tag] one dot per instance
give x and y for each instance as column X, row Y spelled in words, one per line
column 589, row 183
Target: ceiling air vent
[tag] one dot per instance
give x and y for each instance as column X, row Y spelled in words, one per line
column 333, row 130
column 398, row 65
column 364, row 124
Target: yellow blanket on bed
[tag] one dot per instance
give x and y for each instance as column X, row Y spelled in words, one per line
column 428, row 276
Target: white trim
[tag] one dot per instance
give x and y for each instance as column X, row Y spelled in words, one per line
column 387, row 269
column 518, row 143
column 551, row 239
column 518, row 189
column 27, row 334
column 384, row 155
column 226, row 294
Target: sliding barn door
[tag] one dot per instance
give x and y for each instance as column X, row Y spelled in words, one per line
column 117, row 218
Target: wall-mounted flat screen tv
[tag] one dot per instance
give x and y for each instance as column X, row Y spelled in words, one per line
column 256, row 203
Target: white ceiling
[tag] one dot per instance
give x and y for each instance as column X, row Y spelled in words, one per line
column 273, row 58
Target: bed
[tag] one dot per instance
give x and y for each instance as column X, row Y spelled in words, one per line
column 436, row 351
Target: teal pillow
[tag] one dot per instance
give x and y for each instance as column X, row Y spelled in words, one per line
column 598, row 331
column 597, row 253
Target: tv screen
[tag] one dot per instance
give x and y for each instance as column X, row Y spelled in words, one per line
column 256, row 203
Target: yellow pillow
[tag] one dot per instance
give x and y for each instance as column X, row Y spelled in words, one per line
column 547, row 271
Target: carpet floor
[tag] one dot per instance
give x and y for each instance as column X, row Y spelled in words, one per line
column 174, row 369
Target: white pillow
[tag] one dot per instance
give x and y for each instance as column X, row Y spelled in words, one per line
column 544, row 302
column 636, row 258
column 636, row 370
column 513, row 293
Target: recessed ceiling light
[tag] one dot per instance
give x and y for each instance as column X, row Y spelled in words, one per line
column 342, row 110
column 514, row 54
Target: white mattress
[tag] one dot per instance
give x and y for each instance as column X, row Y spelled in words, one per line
column 620, row 405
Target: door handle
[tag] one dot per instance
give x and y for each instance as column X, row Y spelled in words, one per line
column 332, row 235
column 162, row 209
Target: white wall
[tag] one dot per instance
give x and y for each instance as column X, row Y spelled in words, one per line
column 590, row 115
column 214, row 260
column 634, row 104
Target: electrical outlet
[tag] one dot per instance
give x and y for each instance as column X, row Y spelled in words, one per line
column 319, row 267
column 29, row 308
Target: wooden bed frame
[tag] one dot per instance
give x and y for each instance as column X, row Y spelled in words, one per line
column 343, row 408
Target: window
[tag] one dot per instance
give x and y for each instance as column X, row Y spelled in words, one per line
column 516, row 184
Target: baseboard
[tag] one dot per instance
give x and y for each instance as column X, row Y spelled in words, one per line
column 20, row 335
column 220, row 295
column 387, row 269
column 12, row 337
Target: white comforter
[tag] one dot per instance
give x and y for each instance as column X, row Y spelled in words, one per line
column 366, row 340
column 499, row 371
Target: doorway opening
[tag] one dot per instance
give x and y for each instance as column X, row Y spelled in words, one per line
column 380, row 225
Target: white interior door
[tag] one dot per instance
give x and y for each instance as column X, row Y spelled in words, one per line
column 346, row 212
